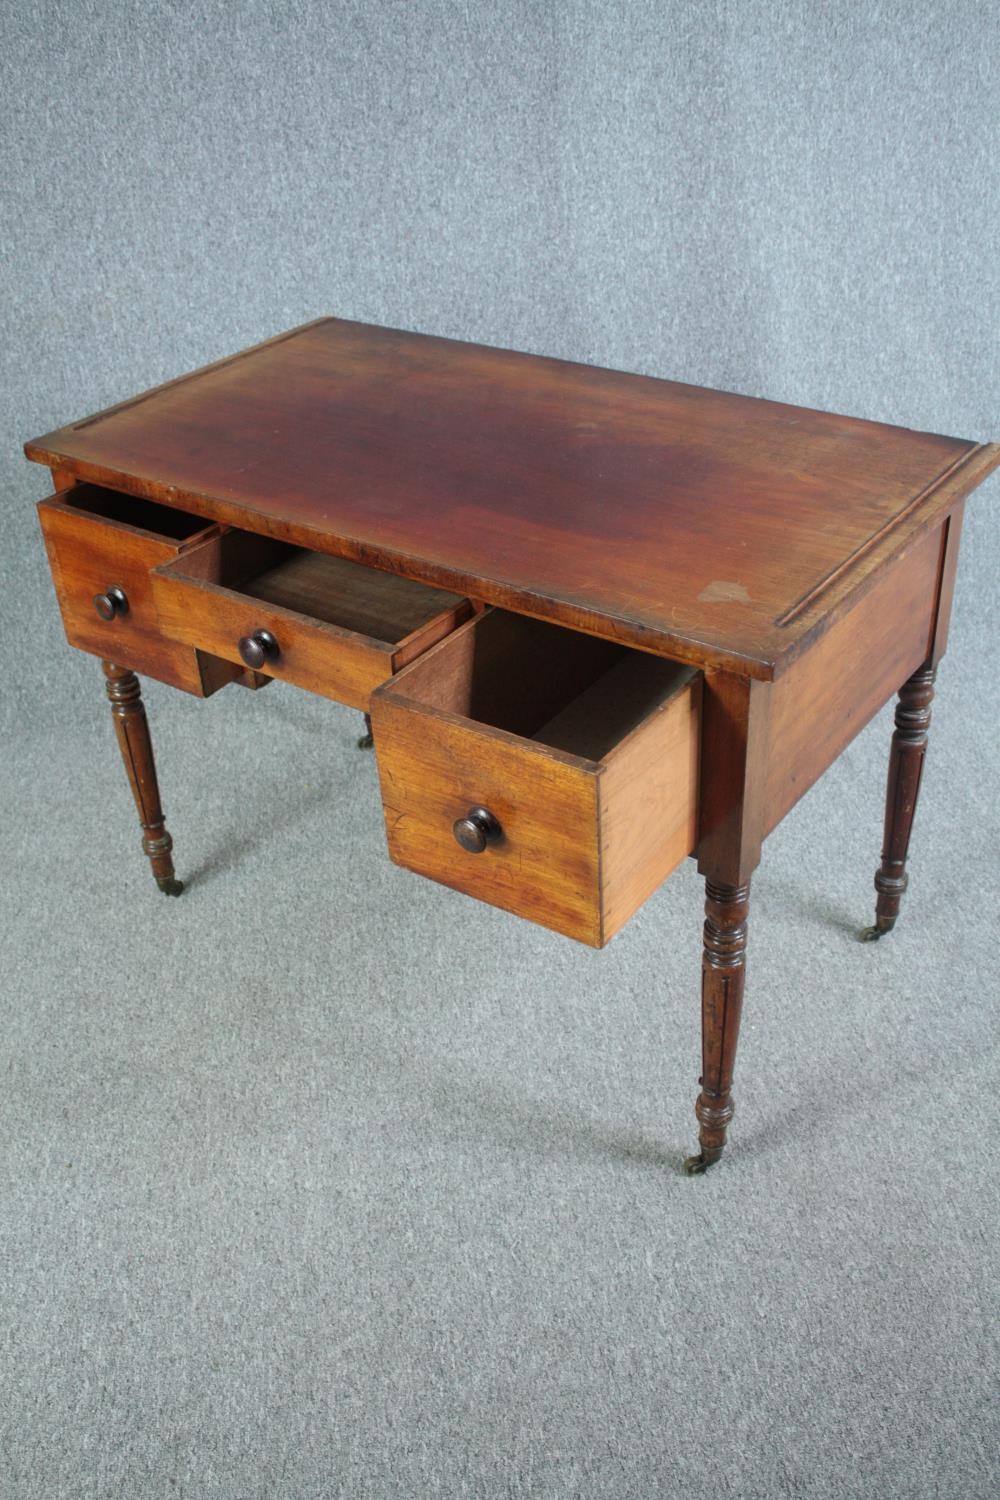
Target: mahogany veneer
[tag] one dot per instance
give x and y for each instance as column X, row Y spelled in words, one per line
column 699, row 600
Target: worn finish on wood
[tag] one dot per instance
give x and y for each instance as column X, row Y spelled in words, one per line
column 723, row 970
column 237, row 589
column 590, row 772
column 710, row 527
column 91, row 550
column 363, row 600
column 831, row 693
column 433, row 767
column 906, row 764
column 132, row 729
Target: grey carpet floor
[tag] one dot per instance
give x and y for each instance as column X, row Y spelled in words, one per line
column 325, row 1181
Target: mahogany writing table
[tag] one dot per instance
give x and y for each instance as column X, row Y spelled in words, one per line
column 599, row 622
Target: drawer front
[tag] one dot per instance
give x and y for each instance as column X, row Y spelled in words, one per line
column 201, row 600
column 584, row 755
column 545, row 863
column 88, row 556
column 322, row 659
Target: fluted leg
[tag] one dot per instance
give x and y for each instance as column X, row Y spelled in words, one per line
column 723, row 968
column 906, row 764
column 366, row 742
column 132, row 729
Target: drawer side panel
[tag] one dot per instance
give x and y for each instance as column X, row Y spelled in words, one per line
column 649, row 806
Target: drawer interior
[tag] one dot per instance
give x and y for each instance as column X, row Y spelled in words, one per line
column 618, row 701
column 129, row 510
column 562, row 689
column 332, row 589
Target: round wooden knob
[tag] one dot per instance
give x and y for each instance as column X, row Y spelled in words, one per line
column 111, row 604
column 477, row 829
column 258, row 648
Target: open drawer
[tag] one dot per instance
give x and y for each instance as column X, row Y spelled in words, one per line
column 543, row 771
column 101, row 546
column 325, row 623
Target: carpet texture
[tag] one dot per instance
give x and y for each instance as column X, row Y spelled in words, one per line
column 323, row 1180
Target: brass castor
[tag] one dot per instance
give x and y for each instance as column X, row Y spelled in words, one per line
column 366, row 742
column 872, row 934
column 169, row 885
column 696, row 1165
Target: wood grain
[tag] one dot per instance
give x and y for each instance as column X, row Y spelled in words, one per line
column 89, row 550
column 597, row 801
column 339, row 592
column 735, row 740
column 825, row 699
column 615, row 704
column 237, row 583
column 701, row 525
column 433, row 768
column 509, row 671
column 648, row 801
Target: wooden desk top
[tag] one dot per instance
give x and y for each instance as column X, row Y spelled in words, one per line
column 710, row 527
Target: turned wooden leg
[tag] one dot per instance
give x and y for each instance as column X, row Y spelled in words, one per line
column 906, row 764
column 723, row 967
column 132, row 729
column 366, row 742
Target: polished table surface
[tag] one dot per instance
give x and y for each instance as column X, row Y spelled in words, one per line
column 778, row 573
column 706, row 526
